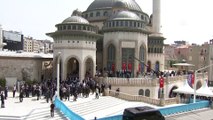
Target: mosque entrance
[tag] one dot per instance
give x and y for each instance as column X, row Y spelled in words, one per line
column 171, row 93
column 73, row 67
column 89, row 68
column 128, row 61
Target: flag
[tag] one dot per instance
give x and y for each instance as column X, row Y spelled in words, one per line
column 113, row 67
column 192, row 78
column 124, row 66
column 130, row 67
column 161, row 80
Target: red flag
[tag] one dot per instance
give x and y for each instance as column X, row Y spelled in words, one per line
column 161, row 80
column 113, row 67
column 192, row 79
column 124, row 66
column 129, row 66
column 139, row 67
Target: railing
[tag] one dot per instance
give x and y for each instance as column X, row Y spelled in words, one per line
column 145, row 81
column 66, row 111
column 184, row 108
column 129, row 97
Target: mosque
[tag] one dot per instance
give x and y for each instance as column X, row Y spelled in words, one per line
column 109, row 35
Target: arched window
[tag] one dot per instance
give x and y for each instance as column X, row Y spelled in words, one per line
column 86, row 16
column 111, row 57
column 105, row 13
column 98, row 14
column 141, row 92
column 147, row 93
column 91, row 15
column 142, row 17
column 157, row 66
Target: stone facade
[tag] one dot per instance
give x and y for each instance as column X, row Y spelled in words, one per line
column 22, row 68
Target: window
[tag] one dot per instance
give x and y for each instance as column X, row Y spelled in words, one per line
column 105, row 13
column 97, row 14
column 79, row 27
column 109, row 24
column 74, row 27
column 69, row 27
column 141, row 92
column 121, row 23
column 134, row 24
column 84, row 27
column 91, row 15
column 142, row 17
column 130, row 24
column 77, row 41
column 147, row 93
column 113, row 24
column 117, row 23
column 126, row 23
column 86, row 16
column 64, row 27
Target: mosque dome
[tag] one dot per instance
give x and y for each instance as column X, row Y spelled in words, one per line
column 119, row 4
column 75, row 19
column 125, row 15
column 103, row 4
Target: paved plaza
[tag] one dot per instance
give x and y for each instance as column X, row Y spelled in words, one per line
column 29, row 109
column 88, row 108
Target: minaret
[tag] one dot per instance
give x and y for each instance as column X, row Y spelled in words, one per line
column 1, row 39
column 156, row 22
column 156, row 39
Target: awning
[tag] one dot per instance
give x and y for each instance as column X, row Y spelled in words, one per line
column 183, row 64
column 205, row 90
column 185, row 89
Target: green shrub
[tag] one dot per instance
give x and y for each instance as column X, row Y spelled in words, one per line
column 2, row 82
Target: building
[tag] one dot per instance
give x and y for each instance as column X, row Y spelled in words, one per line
column 33, row 45
column 25, row 66
column 14, row 40
column 1, row 39
column 170, row 57
column 109, row 35
column 202, row 56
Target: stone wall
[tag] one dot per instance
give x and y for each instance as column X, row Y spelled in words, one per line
column 21, row 68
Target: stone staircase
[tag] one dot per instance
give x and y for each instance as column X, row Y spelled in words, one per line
column 89, row 108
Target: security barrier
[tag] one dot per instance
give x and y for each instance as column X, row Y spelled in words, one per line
column 184, row 108
column 66, row 111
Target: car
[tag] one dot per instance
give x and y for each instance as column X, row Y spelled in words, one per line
column 142, row 113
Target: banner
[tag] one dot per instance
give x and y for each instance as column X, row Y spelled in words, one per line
column 139, row 67
column 129, row 66
column 191, row 79
column 124, row 66
column 161, row 80
column 113, row 67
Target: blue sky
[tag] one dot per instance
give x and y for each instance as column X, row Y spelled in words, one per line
column 189, row 20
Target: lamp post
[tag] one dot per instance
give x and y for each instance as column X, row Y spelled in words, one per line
column 58, row 73
column 195, row 77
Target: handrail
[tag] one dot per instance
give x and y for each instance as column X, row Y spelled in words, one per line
column 66, row 111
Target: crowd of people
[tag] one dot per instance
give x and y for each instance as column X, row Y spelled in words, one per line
column 70, row 87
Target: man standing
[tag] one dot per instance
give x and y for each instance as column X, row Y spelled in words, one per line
column 2, row 100
column 52, row 107
column 14, row 90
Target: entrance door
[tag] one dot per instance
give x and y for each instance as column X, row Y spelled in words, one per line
column 128, row 60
